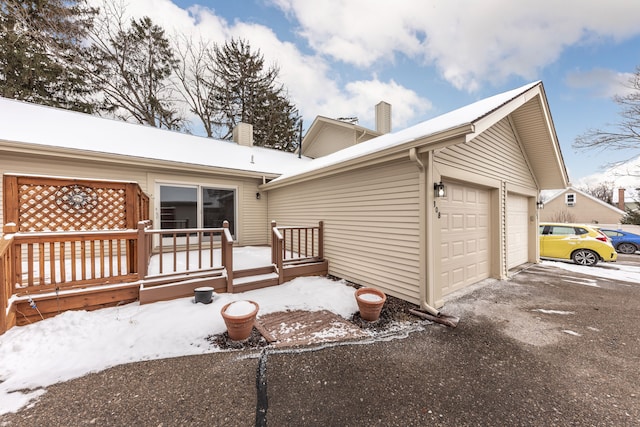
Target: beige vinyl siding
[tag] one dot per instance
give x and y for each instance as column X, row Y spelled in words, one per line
column 495, row 153
column 371, row 219
column 329, row 140
column 252, row 213
column 585, row 210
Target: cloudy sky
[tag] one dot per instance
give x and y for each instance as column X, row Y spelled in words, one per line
column 338, row 58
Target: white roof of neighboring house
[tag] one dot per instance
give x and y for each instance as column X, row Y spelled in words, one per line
column 468, row 118
column 26, row 123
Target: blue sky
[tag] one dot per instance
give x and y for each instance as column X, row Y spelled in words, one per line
column 427, row 57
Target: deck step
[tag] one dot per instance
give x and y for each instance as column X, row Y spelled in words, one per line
column 250, row 283
column 258, row 278
column 180, row 288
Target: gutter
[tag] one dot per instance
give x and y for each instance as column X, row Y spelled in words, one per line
column 433, row 141
column 123, row 159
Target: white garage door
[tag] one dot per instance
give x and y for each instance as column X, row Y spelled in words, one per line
column 465, row 236
column 517, row 233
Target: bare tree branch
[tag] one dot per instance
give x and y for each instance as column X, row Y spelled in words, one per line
column 623, row 135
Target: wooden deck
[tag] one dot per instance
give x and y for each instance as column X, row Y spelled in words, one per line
column 48, row 273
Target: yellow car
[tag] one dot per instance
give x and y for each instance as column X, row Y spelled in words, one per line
column 583, row 244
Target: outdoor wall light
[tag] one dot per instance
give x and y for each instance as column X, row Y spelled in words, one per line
column 439, row 190
column 257, row 196
column 540, row 204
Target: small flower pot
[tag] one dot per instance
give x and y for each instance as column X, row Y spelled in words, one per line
column 370, row 302
column 239, row 318
column 203, row 295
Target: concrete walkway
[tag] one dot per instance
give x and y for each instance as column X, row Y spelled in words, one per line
column 545, row 348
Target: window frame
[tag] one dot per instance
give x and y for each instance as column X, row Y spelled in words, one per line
column 199, row 188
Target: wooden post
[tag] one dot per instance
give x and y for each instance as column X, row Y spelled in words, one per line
column 10, row 200
column 141, row 251
column 7, row 261
column 321, row 240
column 130, row 201
column 273, row 243
column 226, row 250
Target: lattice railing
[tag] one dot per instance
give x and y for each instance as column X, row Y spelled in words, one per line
column 56, row 204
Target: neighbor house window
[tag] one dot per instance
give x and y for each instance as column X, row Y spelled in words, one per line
column 570, row 199
column 196, row 206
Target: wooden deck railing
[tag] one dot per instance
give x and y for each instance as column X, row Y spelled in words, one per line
column 39, row 262
column 296, row 244
column 197, row 248
column 59, row 260
column 6, row 273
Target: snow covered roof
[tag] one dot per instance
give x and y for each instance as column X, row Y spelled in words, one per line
column 467, row 115
column 26, row 123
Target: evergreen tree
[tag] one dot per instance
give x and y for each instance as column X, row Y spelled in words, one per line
column 41, row 52
column 246, row 91
column 132, row 67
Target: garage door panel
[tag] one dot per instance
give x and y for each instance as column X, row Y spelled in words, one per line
column 517, row 230
column 464, row 236
column 457, row 249
column 457, row 223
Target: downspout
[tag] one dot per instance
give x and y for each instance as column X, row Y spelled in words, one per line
column 358, row 138
column 426, row 201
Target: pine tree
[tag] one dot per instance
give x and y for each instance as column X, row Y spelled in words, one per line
column 246, row 91
column 41, row 52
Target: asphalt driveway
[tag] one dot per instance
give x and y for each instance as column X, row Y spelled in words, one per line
column 547, row 348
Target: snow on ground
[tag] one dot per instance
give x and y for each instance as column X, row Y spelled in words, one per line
column 606, row 270
column 75, row 343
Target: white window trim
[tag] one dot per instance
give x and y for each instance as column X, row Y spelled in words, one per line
column 570, row 196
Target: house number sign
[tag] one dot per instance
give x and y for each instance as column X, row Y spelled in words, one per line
column 76, row 198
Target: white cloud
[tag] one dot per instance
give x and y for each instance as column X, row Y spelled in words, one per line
column 601, row 82
column 308, row 78
column 470, row 42
column 623, row 175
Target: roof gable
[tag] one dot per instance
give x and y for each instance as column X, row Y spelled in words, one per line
column 586, row 196
column 470, row 121
column 348, row 134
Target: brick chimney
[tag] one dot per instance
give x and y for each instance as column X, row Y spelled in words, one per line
column 383, row 117
column 621, row 199
column 243, row 134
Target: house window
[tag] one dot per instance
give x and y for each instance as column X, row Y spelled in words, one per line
column 570, row 199
column 196, row 206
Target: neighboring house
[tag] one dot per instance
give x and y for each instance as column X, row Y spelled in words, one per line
column 326, row 136
column 627, row 199
column 418, row 213
column 573, row 205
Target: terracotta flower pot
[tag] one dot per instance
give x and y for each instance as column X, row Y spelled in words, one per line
column 239, row 319
column 370, row 302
